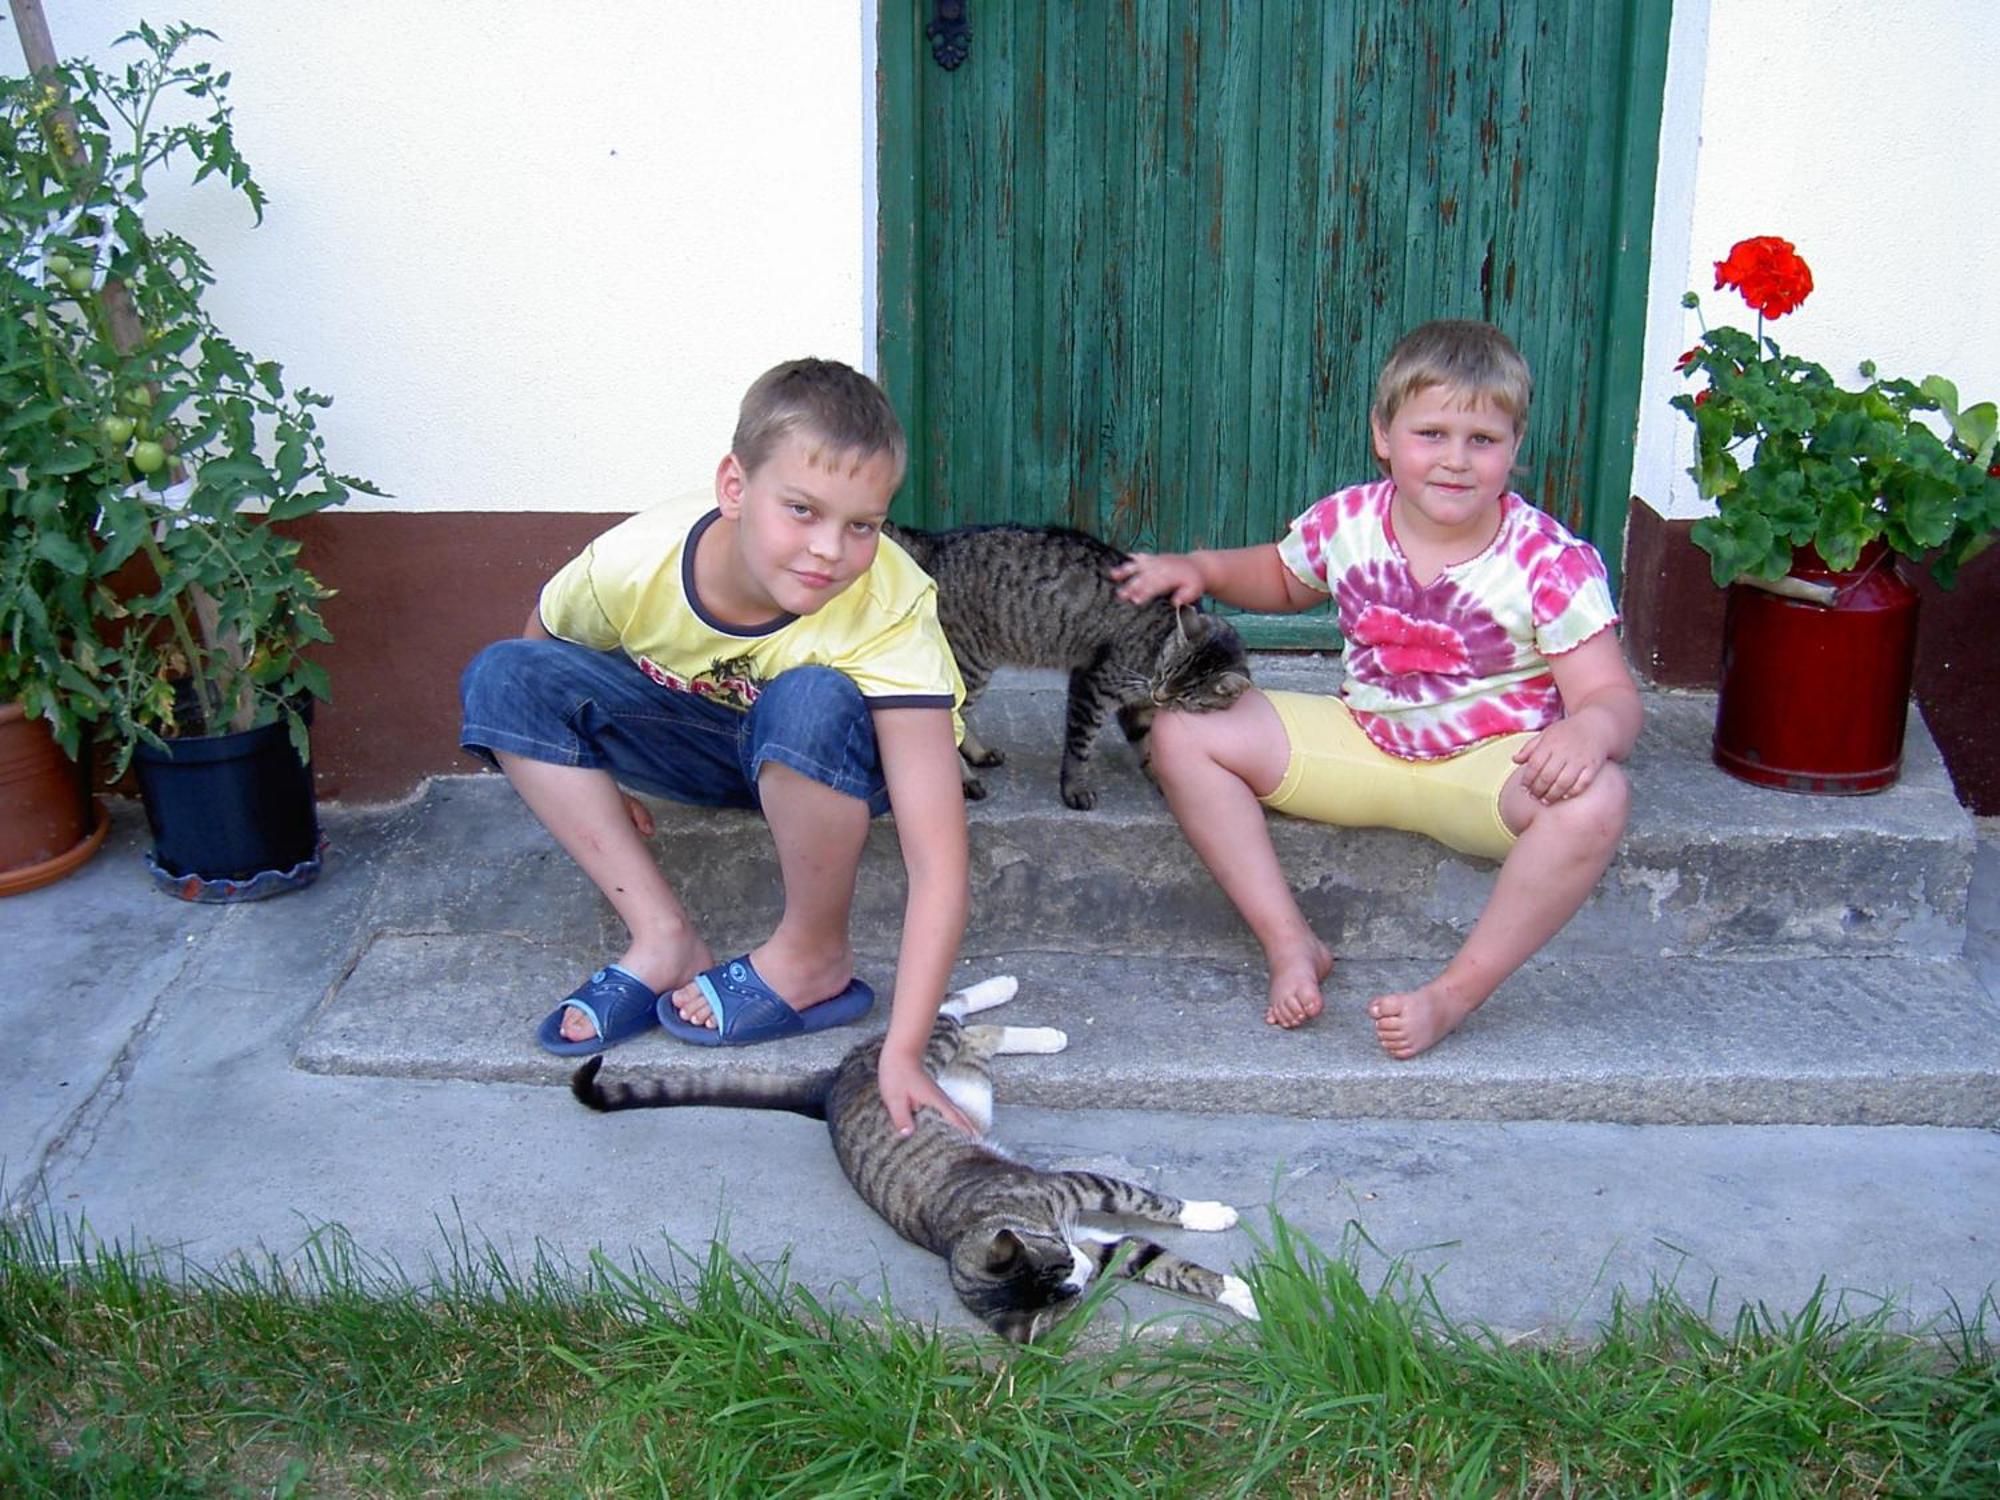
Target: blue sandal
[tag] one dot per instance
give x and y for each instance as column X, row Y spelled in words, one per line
column 620, row 1005
column 748, row 1011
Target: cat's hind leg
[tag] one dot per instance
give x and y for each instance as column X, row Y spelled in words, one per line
column 981, row 995
column 998, row 1041
column 972, row 751
column 1031, row 1039
column 976, row 752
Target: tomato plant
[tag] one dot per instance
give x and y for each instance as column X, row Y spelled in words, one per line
column 103, row 338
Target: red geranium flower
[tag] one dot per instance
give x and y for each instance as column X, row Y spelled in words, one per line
column 1769, row 273
column 1688, row 358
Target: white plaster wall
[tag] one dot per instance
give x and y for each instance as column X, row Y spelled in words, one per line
column 534, row 252
column 1865, row 134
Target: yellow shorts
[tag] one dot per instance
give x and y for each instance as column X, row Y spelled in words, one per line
column 1336, row 774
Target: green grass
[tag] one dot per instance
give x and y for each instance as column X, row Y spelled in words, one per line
column 124, row 1375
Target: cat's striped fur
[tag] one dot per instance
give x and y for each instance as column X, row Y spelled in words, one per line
column 1042, row 596
column 1018, row 1252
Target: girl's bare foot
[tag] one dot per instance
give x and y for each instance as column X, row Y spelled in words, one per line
column 1411, row 1023
column 660, row 966
column 820, row 978
column 1297, row 970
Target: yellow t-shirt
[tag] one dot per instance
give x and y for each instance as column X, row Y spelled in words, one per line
column 632, row 589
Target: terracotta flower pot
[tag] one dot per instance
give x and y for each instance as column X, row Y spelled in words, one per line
column 49, row 824
column 1815, row 696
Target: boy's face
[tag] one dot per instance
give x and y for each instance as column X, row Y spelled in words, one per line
column 1450, row 460
column 805, row 530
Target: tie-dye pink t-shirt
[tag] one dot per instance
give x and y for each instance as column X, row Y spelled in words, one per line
column 1433, row 669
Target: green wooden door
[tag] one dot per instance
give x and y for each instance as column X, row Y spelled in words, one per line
column 1141, row 259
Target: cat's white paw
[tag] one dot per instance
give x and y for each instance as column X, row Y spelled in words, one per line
column 1236, row 1297
column 1032, row 1039
column 983, row 995
column 1210, row 1216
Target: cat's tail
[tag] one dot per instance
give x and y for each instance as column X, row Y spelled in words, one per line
column 733, row 1090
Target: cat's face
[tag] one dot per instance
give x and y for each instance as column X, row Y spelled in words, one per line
column 1202, row 665
column 1019, row 1280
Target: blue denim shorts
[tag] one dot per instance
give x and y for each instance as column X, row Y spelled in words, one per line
column 568, row 705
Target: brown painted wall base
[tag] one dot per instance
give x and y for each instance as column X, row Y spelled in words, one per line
column 420, row 594
column 1673, row 635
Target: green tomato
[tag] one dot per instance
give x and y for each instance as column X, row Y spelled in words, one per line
column 148, row 456
column 138, row 398
column 116, row 430
column 78, row 280
column 59, row 266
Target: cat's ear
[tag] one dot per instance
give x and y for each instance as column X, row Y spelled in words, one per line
column 1230, row 685
column 1002, row 1250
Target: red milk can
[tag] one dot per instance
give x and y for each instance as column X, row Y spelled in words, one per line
column 1815, row 696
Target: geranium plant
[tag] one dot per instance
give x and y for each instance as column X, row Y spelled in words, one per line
column 1793, row 459
column 143, row 455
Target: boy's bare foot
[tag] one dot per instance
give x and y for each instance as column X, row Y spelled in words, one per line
column 659, row 967
column 1297, row 971
column 1411, row 1023
column 790, row 975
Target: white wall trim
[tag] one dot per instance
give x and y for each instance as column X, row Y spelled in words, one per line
column 871, row 187
column 1665, row 442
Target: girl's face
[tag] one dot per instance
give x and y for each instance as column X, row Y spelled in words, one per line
column 1449, row 460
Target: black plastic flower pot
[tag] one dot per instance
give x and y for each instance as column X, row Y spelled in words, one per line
column 233, row 815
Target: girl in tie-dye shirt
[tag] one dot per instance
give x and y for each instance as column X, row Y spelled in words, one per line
column 1486, row 700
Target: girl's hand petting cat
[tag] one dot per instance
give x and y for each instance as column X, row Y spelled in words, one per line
column 1147, row 575
column 907, row 1088
column 1561, row 761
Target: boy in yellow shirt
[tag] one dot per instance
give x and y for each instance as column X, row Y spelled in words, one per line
column 772, row 650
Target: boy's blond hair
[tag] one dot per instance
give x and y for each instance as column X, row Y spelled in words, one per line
column 841, row 408
column 1475, row 361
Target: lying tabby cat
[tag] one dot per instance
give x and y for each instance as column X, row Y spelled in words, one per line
column 1042, row 596
column 1018, row 1257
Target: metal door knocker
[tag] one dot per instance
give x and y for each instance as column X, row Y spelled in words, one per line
column 950, row 33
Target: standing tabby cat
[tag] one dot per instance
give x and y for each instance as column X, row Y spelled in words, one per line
column 1018, row 1257
column 1042, row 596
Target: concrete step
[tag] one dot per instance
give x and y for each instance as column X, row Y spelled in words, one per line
column 1710, row 867
column 1756, row 957
column 1681, row 1041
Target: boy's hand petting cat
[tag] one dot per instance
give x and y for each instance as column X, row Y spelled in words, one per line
column 1147, row 575
column 907, row 1088
column 1561, row 761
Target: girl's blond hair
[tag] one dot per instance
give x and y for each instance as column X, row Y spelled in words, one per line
column 1475, row 361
